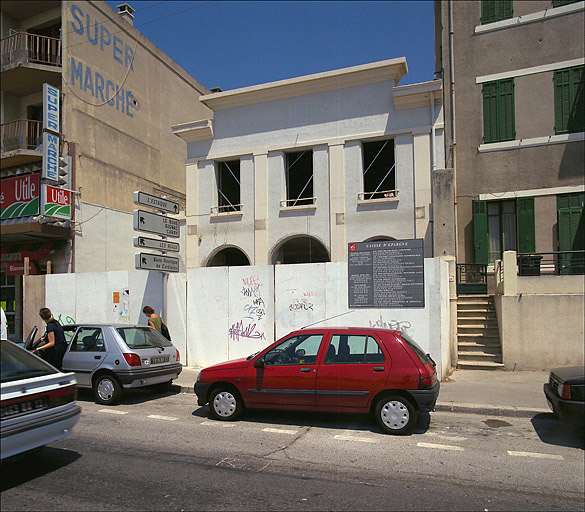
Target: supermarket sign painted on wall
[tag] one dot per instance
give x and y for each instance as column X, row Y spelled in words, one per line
column 20, row 196
column 56, row 202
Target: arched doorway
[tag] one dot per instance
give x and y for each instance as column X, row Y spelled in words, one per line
column 300, row 249
column 381, row 238
column 228, row 257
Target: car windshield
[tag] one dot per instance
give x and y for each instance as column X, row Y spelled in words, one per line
column 142, row 337
column 424, row 358
column 16, row 364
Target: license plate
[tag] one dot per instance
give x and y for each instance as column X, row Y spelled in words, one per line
column 21, row 408
column 158, row 360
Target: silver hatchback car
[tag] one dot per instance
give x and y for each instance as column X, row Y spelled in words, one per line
column 109, row 358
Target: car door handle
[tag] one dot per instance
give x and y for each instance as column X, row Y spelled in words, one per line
column 305, row 369
column 378, row 368
column 97, row 357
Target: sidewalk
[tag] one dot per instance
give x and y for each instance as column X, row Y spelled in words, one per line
column 496, row 393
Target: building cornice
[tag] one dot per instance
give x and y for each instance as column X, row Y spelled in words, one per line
column 194, row 131
column 387, row 70
column 418, row 95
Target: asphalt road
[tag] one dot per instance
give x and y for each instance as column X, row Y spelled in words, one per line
column 162, row 452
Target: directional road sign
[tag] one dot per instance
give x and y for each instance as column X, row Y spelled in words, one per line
column 153, row 243
column 147, row 261
column 157, row 224
column 144, row 199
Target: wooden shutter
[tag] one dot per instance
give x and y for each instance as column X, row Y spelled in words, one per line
column 562, row 100
column 526, row 231
column 490, row 112
column 571, row 215
column 506, row 124
column 577, row 102
column 480, row 231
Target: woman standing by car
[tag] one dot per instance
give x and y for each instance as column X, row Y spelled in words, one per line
column 55, row 345
column 156, row 322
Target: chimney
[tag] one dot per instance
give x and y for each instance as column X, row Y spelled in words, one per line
column 126, row 12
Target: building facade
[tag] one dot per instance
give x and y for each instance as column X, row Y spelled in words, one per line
column 118, row 95
column 292, row 171
column 514, row 125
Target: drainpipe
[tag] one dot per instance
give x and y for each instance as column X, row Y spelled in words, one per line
column 433, row 168
column 453, row 134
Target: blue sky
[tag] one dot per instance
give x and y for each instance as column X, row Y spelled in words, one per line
column 237, row 44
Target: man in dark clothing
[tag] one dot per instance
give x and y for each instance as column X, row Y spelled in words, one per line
column 55, row 345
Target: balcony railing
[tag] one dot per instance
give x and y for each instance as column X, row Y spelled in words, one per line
column 382, row 194
column 21, row 134
column 551, row 263
column 25, row 48
column 471, row 278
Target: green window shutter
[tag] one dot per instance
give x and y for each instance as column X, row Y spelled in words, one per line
column 506, row 122
column 480, row 231
column 577, row 108
column 495, row 10
column 505, row 9
column 571, row 213
column 562, row 100
column 526, row 231
column 490, row 112
column 558, row 3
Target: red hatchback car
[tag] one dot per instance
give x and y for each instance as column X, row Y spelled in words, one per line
column 329, row 369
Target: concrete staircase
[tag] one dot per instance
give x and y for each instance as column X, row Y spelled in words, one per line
column 478, row 338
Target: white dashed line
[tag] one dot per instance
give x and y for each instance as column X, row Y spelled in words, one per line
column 455, row 439
column 441, row 447
column 279, row 431
column 218, row 424
column 158, row 417
column 113, row 411
column 535, row 455
column 344, row 437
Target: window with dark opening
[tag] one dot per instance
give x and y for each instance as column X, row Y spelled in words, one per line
column 299, row 178
column 379, row 169
column 228, row 186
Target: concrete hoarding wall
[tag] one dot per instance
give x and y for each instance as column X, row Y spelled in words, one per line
column 220, row 313
column 295, row 296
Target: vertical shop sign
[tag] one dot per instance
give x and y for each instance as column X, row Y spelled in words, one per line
column 50, row 108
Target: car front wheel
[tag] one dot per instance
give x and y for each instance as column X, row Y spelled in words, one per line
column 225, row 404
column 107, row 390
column 396, row 415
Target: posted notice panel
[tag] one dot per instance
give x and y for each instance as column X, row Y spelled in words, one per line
column 387, row 274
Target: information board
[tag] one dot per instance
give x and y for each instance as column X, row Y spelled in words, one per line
column 387, row 274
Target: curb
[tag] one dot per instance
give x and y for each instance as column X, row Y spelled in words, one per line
column 492, row 410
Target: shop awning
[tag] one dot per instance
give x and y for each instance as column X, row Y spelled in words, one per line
column 32, row 250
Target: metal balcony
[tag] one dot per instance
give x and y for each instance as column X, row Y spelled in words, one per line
column 20, row 142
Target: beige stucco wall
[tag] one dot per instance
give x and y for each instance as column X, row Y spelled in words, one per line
column 127, row 145
column 525, row 45
column 555, row 339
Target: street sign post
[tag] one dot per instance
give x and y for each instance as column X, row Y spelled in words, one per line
column 158, row 203
column 147, row 261
column 157, row 224
column 159, row 245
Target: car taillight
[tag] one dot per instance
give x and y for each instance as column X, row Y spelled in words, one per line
column 427, row 382
column 565, row 391
column 178, row 359
column 132, row 359
column 62, row 396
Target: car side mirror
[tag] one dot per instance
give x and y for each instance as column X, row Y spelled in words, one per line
column 259, row 363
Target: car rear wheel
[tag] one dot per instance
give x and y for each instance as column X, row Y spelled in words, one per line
column 396, row 415
column 225, row 405
column 107, row 390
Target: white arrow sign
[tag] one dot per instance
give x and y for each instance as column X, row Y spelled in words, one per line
column 147, row 261
column 153, row 243
column 158, row 203
column 157, row 224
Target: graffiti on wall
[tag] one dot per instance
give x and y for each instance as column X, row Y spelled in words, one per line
column 397, row 325
column 254, row 309
column 68, row 320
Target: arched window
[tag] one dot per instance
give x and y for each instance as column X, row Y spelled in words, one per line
column 300, row 249
column 228, row 257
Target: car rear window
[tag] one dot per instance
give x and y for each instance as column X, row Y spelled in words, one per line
column 142, row 337
column 17, row 363
column 420, row 353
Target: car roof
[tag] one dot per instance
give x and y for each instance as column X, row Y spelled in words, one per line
column 345, row 329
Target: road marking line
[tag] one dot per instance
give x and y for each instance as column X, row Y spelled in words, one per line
column 352, row 438
column 279, row 431
column 441, row 447
column 158, row 417
column 448, row 438
column 535, row 455
column 218, row 424
column 112, row 411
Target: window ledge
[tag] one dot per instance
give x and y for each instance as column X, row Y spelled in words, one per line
column 531, row 143
column 298, row 208
column 382, row 200
column 224, row 215
column 530, row 18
